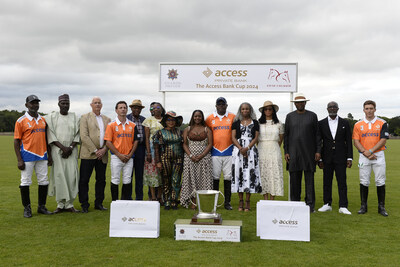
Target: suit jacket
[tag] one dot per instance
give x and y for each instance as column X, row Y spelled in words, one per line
column 90, row 136
column 141, row 149
column 339, row 148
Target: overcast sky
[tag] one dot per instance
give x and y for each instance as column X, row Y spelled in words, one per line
column 347, row 51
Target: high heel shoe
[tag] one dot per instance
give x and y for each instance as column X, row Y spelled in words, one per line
column 247, row 206
column 240, row 205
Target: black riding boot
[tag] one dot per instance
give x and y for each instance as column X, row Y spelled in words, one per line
column 227, row 192
column 26, row 201
column 216, row 185
column 42, row 197
column 114, row 192
column 364, row 198
column 381, row 200
column 125, row 192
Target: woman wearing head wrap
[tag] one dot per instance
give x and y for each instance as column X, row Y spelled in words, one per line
column 151, row 176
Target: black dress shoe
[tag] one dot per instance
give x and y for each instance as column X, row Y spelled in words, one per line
column 167, row 207
column 85, row 209
column 73, row 210
column 100, row 207
column 27, row 211
column 43, row 210
column 228, row 206
column 58, row 210
column 175, row 207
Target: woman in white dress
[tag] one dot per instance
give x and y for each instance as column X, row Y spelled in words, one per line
column 269, row 142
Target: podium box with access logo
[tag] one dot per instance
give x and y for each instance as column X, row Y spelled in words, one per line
column 283, row 220
column 228, row 231
column 135, row 219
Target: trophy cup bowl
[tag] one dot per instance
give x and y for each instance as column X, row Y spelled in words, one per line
column 207, row 203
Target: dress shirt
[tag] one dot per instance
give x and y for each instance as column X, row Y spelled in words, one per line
column 101, row 127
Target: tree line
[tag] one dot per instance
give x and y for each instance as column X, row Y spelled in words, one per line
column 8, row 119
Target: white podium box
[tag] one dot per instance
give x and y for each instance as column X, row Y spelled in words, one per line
column 130, row 218
column 228, row 231
column 283, row 220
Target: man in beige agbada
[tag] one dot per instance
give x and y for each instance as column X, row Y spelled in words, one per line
column 63, row 137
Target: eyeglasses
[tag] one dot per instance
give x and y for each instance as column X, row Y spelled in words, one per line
column 171, row 119
column 270, row 109
column 332, row 107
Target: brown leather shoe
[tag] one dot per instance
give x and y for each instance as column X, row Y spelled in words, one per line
column 73, row 210
column 58, row 210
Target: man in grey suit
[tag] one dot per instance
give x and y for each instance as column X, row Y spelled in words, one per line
column 337, row 155
column 93, row 154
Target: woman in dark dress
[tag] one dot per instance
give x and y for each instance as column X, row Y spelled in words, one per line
column 169, row 158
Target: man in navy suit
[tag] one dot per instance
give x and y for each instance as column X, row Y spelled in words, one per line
column 337, row 154
column 140, row 153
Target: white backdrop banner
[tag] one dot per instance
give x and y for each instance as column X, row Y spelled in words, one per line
column 240, row 77
column 135, row 219
column 283, row 220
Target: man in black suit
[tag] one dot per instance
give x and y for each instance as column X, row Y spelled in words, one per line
column 337, row 154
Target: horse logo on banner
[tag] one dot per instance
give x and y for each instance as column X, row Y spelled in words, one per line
column 280, row 77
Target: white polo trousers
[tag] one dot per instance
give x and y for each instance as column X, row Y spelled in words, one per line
column 378, row 166
column 117, row 166
column 40, row 168
column 224, row 164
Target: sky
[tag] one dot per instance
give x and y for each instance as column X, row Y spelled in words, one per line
column 346, row 51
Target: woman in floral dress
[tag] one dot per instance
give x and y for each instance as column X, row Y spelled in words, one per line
column 169, row 158
column 151, row 176
column 245, row 169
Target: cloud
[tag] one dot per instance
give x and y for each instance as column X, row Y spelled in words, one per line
column 346, row 50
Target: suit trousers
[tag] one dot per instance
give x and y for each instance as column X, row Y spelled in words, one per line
column 295, row 187
column 340, row 172
column 86, row 170
column 138, row 165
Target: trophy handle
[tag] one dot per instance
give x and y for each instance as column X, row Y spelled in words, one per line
column 222, row 201
column 190, row 199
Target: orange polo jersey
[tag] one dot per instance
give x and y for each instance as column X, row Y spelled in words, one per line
column 222, row 134
column 369, row 133
column 121, row 135
column 32, row 134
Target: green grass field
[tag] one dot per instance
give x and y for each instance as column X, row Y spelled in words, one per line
column 82, row 239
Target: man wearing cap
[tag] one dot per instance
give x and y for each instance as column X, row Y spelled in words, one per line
column 93, row 154
column 121, row 139
column 337, row 155
column 370, row 136
column 302, row 145
column 220, row 123
column 63, row 137
column 140, row 152
column 31, row 150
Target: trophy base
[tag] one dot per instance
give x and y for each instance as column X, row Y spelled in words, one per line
column 216, row 220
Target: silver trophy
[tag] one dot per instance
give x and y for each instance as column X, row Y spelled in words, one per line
column 207, row 203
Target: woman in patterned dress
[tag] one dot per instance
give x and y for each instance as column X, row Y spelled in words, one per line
column 197, row 171
column 151, row 176
column 245, row 169
column 169, row 158
column 269, row 142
